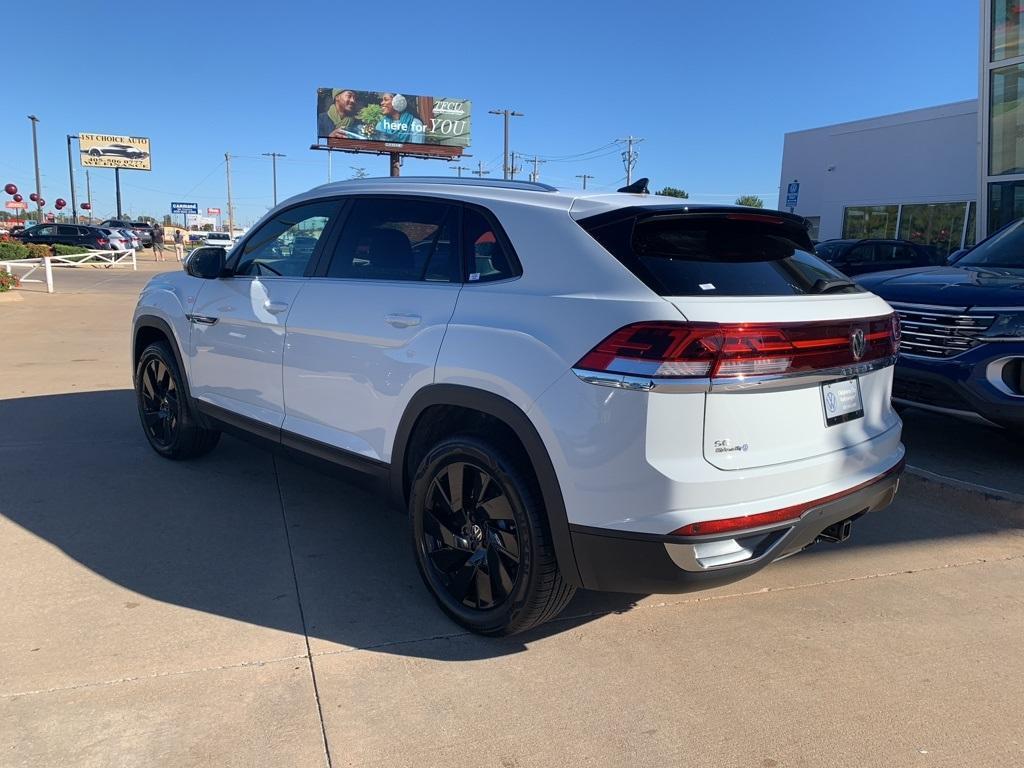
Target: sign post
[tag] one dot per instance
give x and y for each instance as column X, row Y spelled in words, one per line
column 792, row 194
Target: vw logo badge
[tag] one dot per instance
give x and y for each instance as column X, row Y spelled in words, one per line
column 830, row 402
column 858, row 344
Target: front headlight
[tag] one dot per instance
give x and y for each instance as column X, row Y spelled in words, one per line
column 1006, row 326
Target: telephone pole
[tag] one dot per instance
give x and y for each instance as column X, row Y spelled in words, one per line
column 584, row 176
column 88, row 193
column 460, row 168
column 507, row 114
column 480, row 170
column 231, row 210
column 515, row 168
column 71, row 174
column 273, row 156
column 629, row 156
column 35, row 154
column 536, row 169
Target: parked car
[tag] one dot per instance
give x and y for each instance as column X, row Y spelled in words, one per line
column 223, row 239
column 117, row 239
column 962, row 348
column 141, row 229
column 133, row 238
column 615, row 392
column 857, row 257
column 64, row 234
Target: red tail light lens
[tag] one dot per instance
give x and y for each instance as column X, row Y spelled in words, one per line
column 709, row 350
column 102, row 242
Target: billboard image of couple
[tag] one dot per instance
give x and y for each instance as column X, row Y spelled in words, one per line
column 389, row 121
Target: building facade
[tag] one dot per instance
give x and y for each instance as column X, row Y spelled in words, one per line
column 912, row 176
column 1001, row 114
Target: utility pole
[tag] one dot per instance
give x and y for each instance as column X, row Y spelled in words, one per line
column 88, row 193
column 117, row 186
column 515, row 168
column 71, row 174
column 460, row 168
column 507, row 113
column 35, row 154
column 584, row 176
column 480, row 170
column 536, row 170
column 629, row 156
column 329, row 153
column 273, row 156
column 231, row 210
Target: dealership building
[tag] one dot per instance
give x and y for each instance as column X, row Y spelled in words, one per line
column 943, row 176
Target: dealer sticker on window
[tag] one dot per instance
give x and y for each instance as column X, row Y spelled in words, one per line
column 842, row 401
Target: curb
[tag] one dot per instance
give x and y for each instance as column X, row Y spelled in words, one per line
column 986, row 492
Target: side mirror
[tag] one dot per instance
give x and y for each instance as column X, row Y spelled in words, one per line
column 956, row 255
column 206, row 263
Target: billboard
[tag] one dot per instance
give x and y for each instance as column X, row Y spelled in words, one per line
column 185, row 208
column 103, row 150
column 388, row 121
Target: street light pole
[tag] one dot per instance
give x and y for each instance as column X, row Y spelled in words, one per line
column 507, row 113
column 71, row 174
column 273, row 156
column 35, row 154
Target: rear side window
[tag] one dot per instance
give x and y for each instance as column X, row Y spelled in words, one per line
column 717, row 254
column 487, row 257
column 394, row 239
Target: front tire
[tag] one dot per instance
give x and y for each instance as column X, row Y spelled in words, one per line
column 168, row 420
column 481, row 538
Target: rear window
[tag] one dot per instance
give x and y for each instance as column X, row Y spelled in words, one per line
column 717, row 254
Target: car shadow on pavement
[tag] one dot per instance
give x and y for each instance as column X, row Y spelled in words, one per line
column 235, row 534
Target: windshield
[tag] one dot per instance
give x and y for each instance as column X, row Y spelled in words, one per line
column 1004, row 249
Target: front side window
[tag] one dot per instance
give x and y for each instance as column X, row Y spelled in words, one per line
column 396, row 239
column 1003, row 249
column 43, row 231
column 284, row 246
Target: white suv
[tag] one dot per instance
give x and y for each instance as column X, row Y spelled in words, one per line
column 611, row 391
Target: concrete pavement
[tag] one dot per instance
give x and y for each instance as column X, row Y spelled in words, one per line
column 244, row 609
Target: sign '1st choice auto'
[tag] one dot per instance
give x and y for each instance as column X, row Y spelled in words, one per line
column 103, row 150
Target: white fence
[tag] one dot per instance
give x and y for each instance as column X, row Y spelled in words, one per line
column 29, row 267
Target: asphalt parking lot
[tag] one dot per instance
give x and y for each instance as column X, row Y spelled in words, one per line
column 244, row 609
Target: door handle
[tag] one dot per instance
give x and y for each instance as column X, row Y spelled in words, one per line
column 402, row 321
column 275, row 307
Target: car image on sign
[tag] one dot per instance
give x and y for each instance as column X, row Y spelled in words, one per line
column 119, row 150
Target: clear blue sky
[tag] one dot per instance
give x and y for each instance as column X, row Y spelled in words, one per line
column 711, row 86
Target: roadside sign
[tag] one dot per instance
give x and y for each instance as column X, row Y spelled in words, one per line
column 15, row 205
column 185, row 208
column 790, row 201
column 213, row 211
column 793, row 188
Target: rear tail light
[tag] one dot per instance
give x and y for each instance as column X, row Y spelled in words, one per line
column 102, row 242
column 733, row 351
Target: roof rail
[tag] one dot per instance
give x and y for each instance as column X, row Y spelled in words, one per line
column 533, row 186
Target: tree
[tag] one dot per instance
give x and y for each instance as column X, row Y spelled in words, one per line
column 674, row 192
column 751, row 201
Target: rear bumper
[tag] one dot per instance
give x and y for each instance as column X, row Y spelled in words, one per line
column 614, row 561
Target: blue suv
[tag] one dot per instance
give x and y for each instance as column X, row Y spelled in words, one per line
column 962, row 346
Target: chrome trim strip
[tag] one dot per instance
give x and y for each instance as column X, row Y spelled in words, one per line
column 964, row 415
column 912, row 307
column 202, row 319
column 760, row 383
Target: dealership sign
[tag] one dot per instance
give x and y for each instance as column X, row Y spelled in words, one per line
column 15, row 205
column 185, row 208
column 213, row 211
column 103, row 150
column 388, row 121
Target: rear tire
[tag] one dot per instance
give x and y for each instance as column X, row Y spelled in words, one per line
column 169, row 421
column 481, row 538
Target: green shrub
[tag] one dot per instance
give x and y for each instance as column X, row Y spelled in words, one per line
column 38, row 250
column 70, row 250
column 12, row 250
column 8, row 281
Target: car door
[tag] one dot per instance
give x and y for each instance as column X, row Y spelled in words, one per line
column 238, row 321
column 859, row 259
column 44, row 234
column 364, row 335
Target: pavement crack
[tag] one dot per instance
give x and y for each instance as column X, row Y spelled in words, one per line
column 302, row 613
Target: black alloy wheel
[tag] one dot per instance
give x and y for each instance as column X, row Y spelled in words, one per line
column 161, row 406
column 470, row 536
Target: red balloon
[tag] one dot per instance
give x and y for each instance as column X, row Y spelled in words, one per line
column 40, row 201
column 10, row 189
column 86, row 207
column 17, row 198
column 33, row 197
column 61, row 202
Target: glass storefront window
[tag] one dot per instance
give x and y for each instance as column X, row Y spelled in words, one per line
column 870, row 221
column 939, row 226
column 1005, row 203
column 1007, row 40
column 1006, row 121
column 971, row 235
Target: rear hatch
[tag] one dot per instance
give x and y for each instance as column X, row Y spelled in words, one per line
column 794, row 359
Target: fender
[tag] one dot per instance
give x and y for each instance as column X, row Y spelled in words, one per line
column 509, row 413
column 152, row 321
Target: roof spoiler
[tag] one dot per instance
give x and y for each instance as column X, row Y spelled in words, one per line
column 638, row 187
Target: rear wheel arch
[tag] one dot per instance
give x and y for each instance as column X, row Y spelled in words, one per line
column 442, row 410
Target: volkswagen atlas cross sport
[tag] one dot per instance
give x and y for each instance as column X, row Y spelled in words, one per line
column 611, row 391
